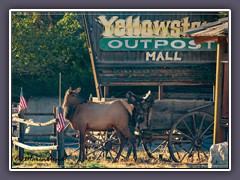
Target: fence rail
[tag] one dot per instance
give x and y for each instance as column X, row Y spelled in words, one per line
column 32, row 123
column 58, row 136
column 34, row 148
column 39, row 114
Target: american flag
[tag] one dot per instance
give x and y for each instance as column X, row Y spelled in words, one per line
column 23, row 104
column 61, row 121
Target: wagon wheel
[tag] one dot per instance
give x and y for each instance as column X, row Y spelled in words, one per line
column 191, row 137
column 99, row 144
column 102, row 144
column 156, row 148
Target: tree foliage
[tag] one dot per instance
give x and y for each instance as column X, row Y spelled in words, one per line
column 44, row 44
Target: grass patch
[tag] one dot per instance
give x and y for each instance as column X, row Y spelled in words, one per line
column 41, row 159
column 93, row 165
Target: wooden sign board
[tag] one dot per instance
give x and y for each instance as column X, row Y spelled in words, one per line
column 147, row 48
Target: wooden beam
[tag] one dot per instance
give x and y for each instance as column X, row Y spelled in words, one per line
column 34, row 148
column 133, row 83
column 202, row 39
column 14, row 138
column 218, row 134
column 91, row 58
column 94, row 74
column 30, row 122
column 38, row 114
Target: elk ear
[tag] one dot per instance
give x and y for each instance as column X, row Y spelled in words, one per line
column 70, row 89
column 78, row 90
column 127, row 95
column 133, row 99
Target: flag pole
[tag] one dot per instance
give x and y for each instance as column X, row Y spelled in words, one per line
column 59, row 100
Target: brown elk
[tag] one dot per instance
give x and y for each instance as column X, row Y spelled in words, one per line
column 86, row 116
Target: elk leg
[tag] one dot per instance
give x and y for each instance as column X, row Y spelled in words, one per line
column 129, row 151
column 131, row 137
column 132, row 140
column 123, row 141
column 82, row 147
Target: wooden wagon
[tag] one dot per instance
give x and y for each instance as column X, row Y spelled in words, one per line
column 148, row 49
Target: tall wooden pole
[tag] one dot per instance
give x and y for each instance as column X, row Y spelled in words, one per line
column 97, row 86
column 60, row 135
column 218, row 134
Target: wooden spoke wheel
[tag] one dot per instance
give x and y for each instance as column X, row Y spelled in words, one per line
column 102, row 144
column 155, row 148
column 99, row 144
column 155, row 144
column 191, row 137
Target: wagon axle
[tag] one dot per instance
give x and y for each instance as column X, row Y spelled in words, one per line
column 107, row 146
column 198, row 142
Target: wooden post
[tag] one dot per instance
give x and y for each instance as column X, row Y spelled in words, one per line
column 218, row 134
column 60, row 152
column 60, row 149
column 54, row 152
column 160, row 92
column 60, row 135
column 21, row 136
column 225, row 108
column 106, row 91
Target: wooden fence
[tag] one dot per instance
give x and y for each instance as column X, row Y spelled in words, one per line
column 57, row 136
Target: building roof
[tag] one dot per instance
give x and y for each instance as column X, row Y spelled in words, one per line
column 209, row 31
column 216, row 28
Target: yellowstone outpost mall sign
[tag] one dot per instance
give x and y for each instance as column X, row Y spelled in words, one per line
column 132, row 34
column 147, row 48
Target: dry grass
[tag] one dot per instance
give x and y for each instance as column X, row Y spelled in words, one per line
column 41, row 160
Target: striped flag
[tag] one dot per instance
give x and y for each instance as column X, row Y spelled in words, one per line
column 23, row 104
column 61, row 121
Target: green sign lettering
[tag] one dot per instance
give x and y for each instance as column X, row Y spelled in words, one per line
column 154, row 44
